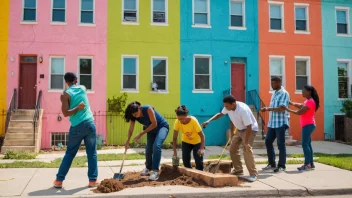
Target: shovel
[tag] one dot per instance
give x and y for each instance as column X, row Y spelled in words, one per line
column 119, row 176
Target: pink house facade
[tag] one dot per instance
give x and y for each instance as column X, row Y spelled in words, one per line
column 48, row 38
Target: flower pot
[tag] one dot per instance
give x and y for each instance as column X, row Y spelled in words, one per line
column 348, row 129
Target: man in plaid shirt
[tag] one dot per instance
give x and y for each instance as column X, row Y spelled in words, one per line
column 277, row 126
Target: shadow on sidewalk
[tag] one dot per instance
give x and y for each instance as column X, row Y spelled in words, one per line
column 56, row 192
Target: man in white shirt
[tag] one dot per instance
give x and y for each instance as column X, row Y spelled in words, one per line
column 242, row 118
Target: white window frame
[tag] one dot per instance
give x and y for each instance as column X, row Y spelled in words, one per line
column 51, row 13
column 210, row 90
column 282, row 58
column 137, row 73
column 208, row 15
column 166, row 23
column 347, row 10
column 243, row 15
column 349, row 74
column 50, row 62
column 79, row 71
column 36, row 14
column 306, row 6
column 123, row 14
column 167, row 73
column 282, row 5
column 79, row 15
column 308, row 68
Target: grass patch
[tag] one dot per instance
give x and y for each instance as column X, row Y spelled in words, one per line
column 22, row 155
column 343, row 161
column 112, row 157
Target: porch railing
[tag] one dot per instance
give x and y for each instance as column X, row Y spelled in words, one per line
column 255, row 100
column 36, row 114
column 12, row 108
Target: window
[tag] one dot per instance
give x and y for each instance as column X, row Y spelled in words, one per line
column 87, row 11
column 302, row 17
column 277, row 68
column 201, row 13
column 130, row 11
column 159, row 71
column 159, row 11
column 130, row 72
column 342, row 20
column 344, row 78
column 302, row 72
column 85, row 72
column 59, row 11
column 29, row 10
column 237, row 12
column 59, row 138
column 57, row 72
column 202, row 72
column 276, row 16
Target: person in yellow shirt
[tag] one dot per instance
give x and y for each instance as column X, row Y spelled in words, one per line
column 193, row 138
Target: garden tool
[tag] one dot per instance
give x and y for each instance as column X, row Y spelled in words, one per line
column 119, row 176
column 175, row 161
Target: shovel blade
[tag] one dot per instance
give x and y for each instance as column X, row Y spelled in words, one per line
column 119, row 176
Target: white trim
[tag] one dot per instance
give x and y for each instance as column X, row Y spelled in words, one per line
column 308, row 70
column 349, row 74
column 79, row 15
column 210, row 90
column 208, row 25
column 347, row 10
column 202, row 92
column 51, row 13
column 137, row 73
column 159, row 92
column 123, row 14
column 282, row 58
column 36, row 15
column 237, row 28
column 79, row 70
column 49, row 85
column 166, row 23
column 281, row 4
column 166, row 75
column 306, row 6
column 243, row 15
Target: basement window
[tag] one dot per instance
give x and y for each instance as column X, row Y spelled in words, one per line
column 59, row 138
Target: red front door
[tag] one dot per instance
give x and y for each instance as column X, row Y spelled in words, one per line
column 28, row 86
column 238, row 81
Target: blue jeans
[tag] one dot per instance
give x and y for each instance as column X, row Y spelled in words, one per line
column 278, row 133
column 186, row 155
column 307, row 144
column 84, row 131
column 153, row 148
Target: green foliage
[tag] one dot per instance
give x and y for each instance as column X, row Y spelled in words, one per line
column 117, row 104
column 19, row 155
column 347, row 108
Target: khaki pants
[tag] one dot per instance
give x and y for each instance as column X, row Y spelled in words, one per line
column 236, row 141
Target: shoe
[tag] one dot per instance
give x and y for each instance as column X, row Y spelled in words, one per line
column 313, row 167
column 57, row 184
column 269, row 168
column 252, row 178
column 93, row 184
column 154, row 176
column 145, row 172
column 279, row 169
column 238, row 173
column 304, row 168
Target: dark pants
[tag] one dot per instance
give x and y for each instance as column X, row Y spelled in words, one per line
column 153, row 148
column 307, row 144
column 186, row 155
column 84, row 131
column 279, row 134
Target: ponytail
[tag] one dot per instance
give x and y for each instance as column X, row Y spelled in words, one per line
column 314, row 95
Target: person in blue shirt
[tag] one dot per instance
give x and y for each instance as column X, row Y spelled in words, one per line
column 156, row 128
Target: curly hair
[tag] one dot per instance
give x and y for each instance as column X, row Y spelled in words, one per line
column 181, row 110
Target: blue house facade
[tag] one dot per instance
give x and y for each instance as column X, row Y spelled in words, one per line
column 219, row 56
column 337, row 57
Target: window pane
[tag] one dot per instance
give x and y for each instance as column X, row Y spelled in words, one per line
column 30, row 3
column 57, row 82
column 301, row 82
column 159, row 67
column 129, row 82
column 275, row 11
column 200, row 6
column 301, row 68
column 85, row 66
column 200, row 19
column 275, row 67
column 342, row 28
column 301, row 25
column 57, row 65
column 236, row 8
column 159, row 17
column 160, row 81
column 87, row 17
column 236, row 21
column 341, row 16
column 59, row 4
column 343, row 87
column 130, row 16
column 130, row 5
column 202, row 66
column 87, row 4
column 202, row 82
column 29, row 15
column 129, row 66
column 159, row 5
column 342, row 69
column 275, row 24
column 59, row 15
column 300, row 13
column 29, row 59
column 86, row 80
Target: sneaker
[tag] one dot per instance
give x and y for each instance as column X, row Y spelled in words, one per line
column 238, row 173
column 313, row 167
column 269, row 168
column 279, row 169
column 57, row 184
column 304, row 168
column 252, row 178
column 145, row 172
column 93, row 184
column 154, row 176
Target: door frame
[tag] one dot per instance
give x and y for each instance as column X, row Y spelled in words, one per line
column 20, row 72
column 245, row 79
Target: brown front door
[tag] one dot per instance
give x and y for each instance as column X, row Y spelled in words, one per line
column 238, row 81
column 28, row 86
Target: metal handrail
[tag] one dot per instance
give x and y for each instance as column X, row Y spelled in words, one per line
column 12, row 108
column 36, row 114
column 254, row 99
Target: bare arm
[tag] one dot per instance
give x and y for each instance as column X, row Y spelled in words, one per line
column 297, row 105
column 276, row 109
column 130, row 131
column 174, row 142
column 152, row 118
column 298, row 112
column 65, row 100
column 202, row 140
column 215, row 117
